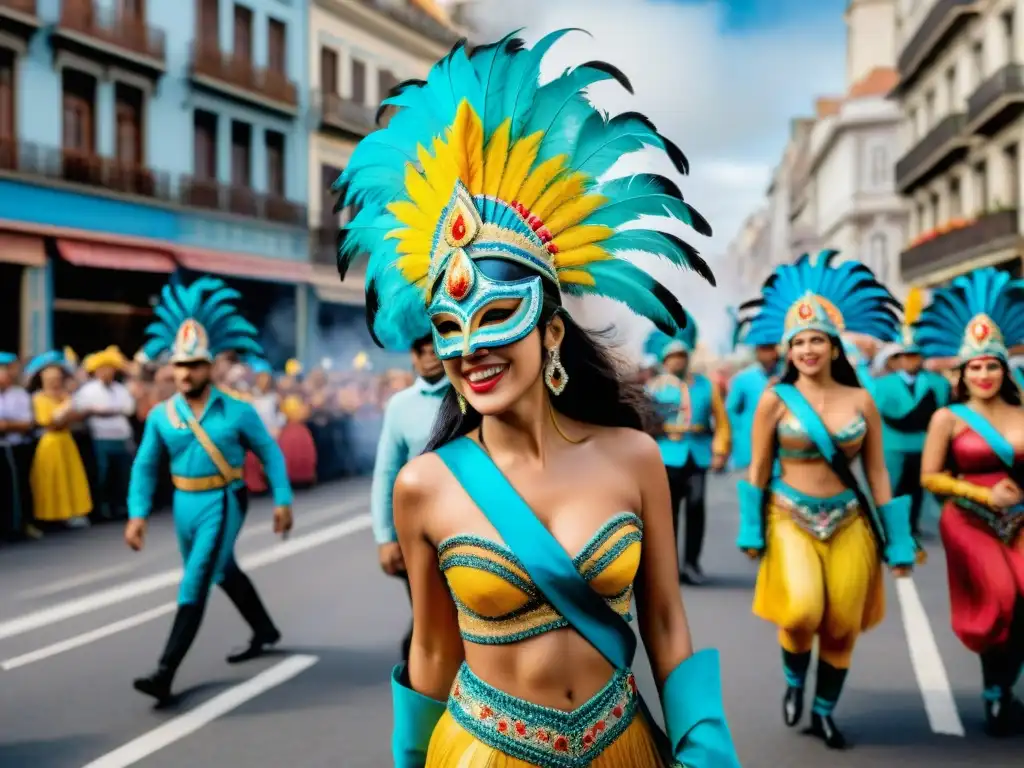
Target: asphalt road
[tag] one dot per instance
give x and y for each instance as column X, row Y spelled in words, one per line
column 80, row 616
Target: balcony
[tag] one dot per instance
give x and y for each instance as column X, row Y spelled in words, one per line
column 943, row 146
column 90, row 30
column 997, row 101
column 989, row 233
column 240, row 201
column 342, row 115
column 19, row 17
column 238, row 78
column 945, row 19
column 324, row 245
column 82, row 169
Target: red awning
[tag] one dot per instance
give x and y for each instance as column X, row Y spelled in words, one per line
column 27, row 250
column 245, row 266
column 103, row 256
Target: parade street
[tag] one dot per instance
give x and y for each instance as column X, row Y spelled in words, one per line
column 81, row 615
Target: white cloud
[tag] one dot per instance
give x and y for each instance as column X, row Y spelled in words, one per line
column 726, row 100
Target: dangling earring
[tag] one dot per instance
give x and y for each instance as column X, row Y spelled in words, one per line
column 554, row 373
column 835, row 354
column 463, row 406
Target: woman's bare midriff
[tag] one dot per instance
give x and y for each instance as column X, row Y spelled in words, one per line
column 811, row 476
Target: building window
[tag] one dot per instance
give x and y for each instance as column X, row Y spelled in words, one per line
column 328, row 70
column 912, row 124
column 978, row 59
column 277, row 46
column 936, row 209
column 951, row 99
column 880, row 171
column 131, row 10
column 7, row 94
column 128, row 114
column 358, row 81
column 929, row 109
column 956, row 203
column 328, row 175
column 79, row 98
column 204, row 130
column 1009, row 34
column 1012, row 162
column 275, row 163
column 208, row 22
column 880, row 256
column 386, row 80
column 981, row 187
column 243, row 33
column 241, row 154
column 923, row 225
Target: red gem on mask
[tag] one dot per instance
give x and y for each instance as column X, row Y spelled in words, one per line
column 805, row 312
column 459, row 227
column 980, row 331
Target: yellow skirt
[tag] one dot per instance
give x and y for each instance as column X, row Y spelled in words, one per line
column 486, row 728
column 806, row 586
column 60, row 488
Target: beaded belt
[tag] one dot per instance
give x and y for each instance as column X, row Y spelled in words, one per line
column 542, row 735
column 1005, row 525
column 820, row 518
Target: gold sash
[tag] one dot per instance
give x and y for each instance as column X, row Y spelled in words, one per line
column 228, row 474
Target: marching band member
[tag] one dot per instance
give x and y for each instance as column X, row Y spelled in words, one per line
column 974, row 459
column 481, row 207
column 745, row 392
column 823, row 539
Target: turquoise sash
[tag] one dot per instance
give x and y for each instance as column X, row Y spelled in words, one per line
column 797, row 404
column 1000, row 445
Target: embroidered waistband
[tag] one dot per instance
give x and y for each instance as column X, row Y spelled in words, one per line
column 1005, row 525
column 821, row 517
column 542, row 735
column 197, row 484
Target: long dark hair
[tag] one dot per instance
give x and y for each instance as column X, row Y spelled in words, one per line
column 843, row 371
column 1008, row 391
column 596, row 390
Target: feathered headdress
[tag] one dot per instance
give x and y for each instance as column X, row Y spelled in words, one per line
column 52, row 359
column 661, row 344
column 980, row 314
column 814, row 294
column 482, row 162
column 199, row 321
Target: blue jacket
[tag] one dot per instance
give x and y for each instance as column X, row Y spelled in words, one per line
column 745, row 392
column 704, row 433
column 906, row 405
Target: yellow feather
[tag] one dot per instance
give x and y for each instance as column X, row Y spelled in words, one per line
column 520, row 160
column 410, row 241
column 575, row 237
column 423, row 195
column 495, row 158
column 558, row 194
column 573, row 213
column 438, row 169
column 578, row 257
column 539, row 179
column 413, row 267
column 410, row 215
column 575, row 277
column 467, row 143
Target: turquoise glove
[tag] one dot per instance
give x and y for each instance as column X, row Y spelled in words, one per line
column 694, row 716
column 900, row 549
column 415, row 718
column 751, row 499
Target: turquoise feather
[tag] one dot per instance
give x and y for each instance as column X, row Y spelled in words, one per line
column 619, row 280
column 602, row 143
column 663, row 244
column 645, row 194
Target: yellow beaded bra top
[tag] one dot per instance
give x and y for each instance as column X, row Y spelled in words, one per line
column 498, row 603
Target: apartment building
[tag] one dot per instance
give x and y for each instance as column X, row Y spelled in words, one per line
column 961, row 90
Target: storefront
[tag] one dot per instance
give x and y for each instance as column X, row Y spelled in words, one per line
column 23, row 274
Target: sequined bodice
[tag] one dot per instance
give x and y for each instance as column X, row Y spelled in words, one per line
column 497, row 602
column 796, row 443
column 976, row 461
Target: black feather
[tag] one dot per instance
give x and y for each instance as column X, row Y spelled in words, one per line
column 612, row 70
column 343, row 259
column 674, row 153
column 752, row 304
column 396, row 90
column 700, row 224
column 693, row 256
column 372, row 305
column 515, row 45
column 675, row 309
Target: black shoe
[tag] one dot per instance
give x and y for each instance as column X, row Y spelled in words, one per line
column 1004, row 717
column 824, row 727
column 692, row 576
column 792, row 706
column 157, row 685
column 256, row 648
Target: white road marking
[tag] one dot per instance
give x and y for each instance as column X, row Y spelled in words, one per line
column 86, row 637
column 74, row 582
column 156, row 582
column 190, row 722
column 926, row 660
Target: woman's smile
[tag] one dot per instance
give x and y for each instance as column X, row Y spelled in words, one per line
column 484, row 378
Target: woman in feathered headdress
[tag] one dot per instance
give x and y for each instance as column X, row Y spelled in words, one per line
column 823, row 538
column 482, row 203
column 694, row 436
column 974, row 459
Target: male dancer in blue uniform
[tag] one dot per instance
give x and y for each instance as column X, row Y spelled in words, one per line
column 408, row 421
column 206, row 433
column 745, row 392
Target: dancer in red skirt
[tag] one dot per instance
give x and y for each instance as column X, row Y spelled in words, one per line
column 974, row 459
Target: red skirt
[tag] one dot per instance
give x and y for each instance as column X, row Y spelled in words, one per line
column 986, row 578
column 299, row 451
column 255, row 479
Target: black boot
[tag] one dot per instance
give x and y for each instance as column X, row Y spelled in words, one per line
column 183, row 632
column 826, row 695
column 794, row 666
column 1004, row 714
column 242, row 593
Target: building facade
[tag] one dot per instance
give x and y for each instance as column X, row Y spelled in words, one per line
column 140, row 138
column 961, row 89
column 358, row 51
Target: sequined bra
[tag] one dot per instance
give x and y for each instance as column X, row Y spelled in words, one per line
column 795, row 443
column 496, row 601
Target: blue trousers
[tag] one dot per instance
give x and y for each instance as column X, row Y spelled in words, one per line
column 113, row 468
column 207, row 524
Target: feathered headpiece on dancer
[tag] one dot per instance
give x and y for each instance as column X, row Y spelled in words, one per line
column 814, row 294
column 980, row 314
column 485, row 185
column 195, row 323
column 661, row 344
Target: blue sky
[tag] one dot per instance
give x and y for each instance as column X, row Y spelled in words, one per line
column 760, row 15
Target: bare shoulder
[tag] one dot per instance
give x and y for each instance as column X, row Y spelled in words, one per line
column 419, row 479
column 863, row 398
column 770, row 405
column 943, row 419
column 623, row 444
